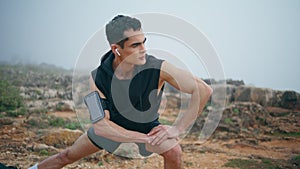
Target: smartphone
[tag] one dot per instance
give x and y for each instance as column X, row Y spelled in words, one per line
column 93, row 103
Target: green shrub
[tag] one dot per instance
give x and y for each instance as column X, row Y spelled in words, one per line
column 165, row 122
column 56, row 122
column 284, row 134
column 61, row 122
column 263, row 163
column 73, row 125
column 44, row 153
column 228, row 120
column 18, row 112
column 236, row 110
column 295, row 160
column 10, row 98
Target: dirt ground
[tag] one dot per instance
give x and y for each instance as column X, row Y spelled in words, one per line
column 16, row 141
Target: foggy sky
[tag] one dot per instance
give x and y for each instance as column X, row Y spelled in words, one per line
column 257, row 40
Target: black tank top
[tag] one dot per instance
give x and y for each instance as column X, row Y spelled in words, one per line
column 133, row 103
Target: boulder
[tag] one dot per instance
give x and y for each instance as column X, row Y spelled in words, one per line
column 262, row 96
column 267, row 97
column 40, row 148
column 6, row 121
column 239, row 119
column 290, row 100
column 60, row 138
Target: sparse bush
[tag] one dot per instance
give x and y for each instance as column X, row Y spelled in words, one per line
column 44, row 153
column 228, row 120
column 165, row 122
column 38, row 111
column 56, row 122
column 64, row 123
column 73, row 125
column 18, row 112
column 36, row 122
column 295, row 160
column 236, row 110
column 10, row 99
column 252, row 163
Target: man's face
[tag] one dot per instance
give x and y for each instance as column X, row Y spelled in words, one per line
column 134, row 50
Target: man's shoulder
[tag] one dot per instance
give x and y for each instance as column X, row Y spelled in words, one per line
column 153, row 61
column 152, row 57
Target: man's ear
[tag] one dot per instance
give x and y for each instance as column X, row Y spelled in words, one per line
column 114, row 48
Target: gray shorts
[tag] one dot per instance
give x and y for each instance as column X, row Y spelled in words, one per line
column 110, row 145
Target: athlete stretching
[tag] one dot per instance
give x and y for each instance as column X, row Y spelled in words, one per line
column 131, row 83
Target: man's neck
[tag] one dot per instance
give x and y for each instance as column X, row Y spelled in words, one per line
column 122, row 70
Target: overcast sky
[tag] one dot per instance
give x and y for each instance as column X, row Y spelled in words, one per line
column 257, row 41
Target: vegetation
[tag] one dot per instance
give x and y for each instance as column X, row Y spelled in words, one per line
column 263, row 163
column 165, row 121
column 10, row 99
column 295, row 160
column 284, row 134
column 44, row 153
column 52, row 121
column 56, row 122
column 25, row 75
column 227, row 120
column 18, row 112
column 12, row 104
column 236, row 110
column 64, row 123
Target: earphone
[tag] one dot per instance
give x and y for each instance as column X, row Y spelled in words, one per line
column 118, row 52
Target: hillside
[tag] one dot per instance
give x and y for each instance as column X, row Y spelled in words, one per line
column 259, row 127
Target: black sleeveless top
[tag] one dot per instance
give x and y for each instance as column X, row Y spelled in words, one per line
column 133, row 103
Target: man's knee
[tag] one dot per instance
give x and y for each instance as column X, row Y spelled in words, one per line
column 174, row 153
column 64, row 157
column 173, row 157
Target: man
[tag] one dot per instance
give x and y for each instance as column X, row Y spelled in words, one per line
column 130, row 83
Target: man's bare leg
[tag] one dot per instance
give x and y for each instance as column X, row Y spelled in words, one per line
column 81, row 148
column 173, row 158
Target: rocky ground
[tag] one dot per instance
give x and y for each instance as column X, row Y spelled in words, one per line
column 22, row 145
column 259, row 128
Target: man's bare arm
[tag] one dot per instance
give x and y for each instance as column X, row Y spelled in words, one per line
column 188, row 83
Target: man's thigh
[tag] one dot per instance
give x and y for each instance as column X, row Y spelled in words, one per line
column 102, row 142
column 81, row 148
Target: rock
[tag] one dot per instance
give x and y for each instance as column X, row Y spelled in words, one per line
column 5, row 136
column 64, row 105
column 239, row 120
column 39, row 147
column 230, row 90
column 267, row 97
column 42, row 149
column 6, row 121
column 50, row 93
column 251, row 141
column 285, row 121
column 262, row 96
column 295, row 160
column 60, row 138
column 235, row 82
column 290, row 100
column 228, row 82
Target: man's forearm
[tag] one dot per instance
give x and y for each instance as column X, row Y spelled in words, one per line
column 199, row 98
column 110, row 130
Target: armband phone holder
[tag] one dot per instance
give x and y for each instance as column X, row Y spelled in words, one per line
column 93, row 103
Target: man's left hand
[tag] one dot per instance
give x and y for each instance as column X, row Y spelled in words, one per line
column 161, row 133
